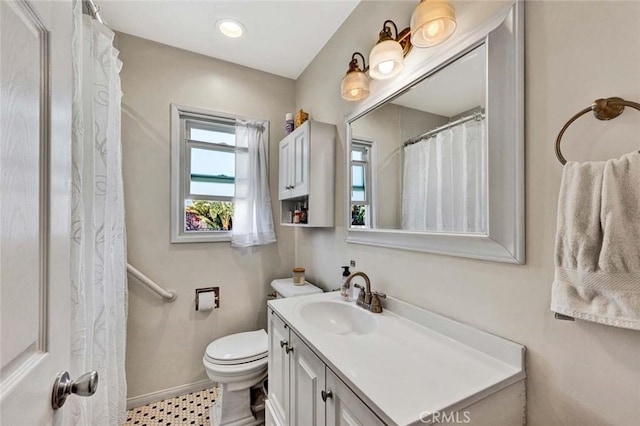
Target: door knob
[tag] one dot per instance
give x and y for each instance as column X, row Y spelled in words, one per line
column 84, row 385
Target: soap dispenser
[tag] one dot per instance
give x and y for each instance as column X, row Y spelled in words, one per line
column 344, row 288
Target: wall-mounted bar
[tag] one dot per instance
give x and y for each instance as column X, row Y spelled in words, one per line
column 477, row 116
column 167, row 295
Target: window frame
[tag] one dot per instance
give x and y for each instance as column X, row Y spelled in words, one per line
column 368, row 145
column 181, row 167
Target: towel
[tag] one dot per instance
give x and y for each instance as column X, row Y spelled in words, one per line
column 597, row 257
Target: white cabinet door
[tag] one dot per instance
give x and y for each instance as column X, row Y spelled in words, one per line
column 278, row 368
column 301, row 161
column 285, row 180
column 344, row 407
column 35, row 175
column 307, row 382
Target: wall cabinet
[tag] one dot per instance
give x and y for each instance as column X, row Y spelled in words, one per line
column 303, row 390
column 306, row 173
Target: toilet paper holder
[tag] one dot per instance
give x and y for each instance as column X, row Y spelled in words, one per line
column 216, row 290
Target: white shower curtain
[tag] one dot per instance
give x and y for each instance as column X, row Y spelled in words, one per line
column 444, row 181
column 252, row 216
column 98, row 247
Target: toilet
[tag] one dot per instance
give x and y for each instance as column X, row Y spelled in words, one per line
column 238, row 364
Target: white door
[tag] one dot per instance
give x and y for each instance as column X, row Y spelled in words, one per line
column 279, row 350
column 285, row 158
column 35, row 174
column 306, row 406
column 301, row 160
column 344, row 408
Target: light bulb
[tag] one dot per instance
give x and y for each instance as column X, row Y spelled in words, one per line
column 230, row 28
column 385, row 67
column 433, row 29
column 354, row 92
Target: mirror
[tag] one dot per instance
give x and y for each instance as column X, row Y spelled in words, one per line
column 436, row 162
column 418, row 162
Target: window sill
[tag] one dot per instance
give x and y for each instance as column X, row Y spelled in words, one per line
column 205, row 237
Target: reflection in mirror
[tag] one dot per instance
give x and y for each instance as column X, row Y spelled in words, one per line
column 361, row 153
column 419, row 161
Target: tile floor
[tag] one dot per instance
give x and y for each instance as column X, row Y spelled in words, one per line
column 190, row 409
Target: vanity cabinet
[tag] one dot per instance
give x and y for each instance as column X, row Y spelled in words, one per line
column 299, row 383
column 306, row 173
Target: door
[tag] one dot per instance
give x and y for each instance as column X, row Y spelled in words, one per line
column 35, row 174
column 344, row 407
column 285, row 168
column 279, row 351
column 301, row 160
column 307, row 382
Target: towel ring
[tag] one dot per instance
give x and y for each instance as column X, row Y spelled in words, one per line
column 603, row 109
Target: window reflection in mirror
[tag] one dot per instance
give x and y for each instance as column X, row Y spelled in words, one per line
column 361, row 192
column 430, row 170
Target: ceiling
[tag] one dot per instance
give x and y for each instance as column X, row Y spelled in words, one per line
column 457, row 88
column 282, row 37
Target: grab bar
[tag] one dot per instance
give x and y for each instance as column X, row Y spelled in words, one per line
column 167, row 295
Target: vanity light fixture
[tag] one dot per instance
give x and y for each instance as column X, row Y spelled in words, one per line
column 355, row 83
column 432, row 22
column 230, row 28
column 387, row 56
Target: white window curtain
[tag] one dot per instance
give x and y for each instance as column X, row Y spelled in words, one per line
column 98, row 245
column 252, row 216
column 444, row 181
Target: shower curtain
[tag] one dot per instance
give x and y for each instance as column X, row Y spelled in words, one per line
column 98, row 241
column 444, row 181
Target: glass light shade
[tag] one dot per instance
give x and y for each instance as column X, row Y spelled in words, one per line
column 355, row 86
column 432, row 22
column 386, row 60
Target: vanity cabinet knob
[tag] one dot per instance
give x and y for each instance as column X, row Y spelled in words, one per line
column 283, row 343
column 288, row 349
column 326, row 395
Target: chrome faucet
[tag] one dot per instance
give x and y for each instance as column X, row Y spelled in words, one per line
column 366, row 298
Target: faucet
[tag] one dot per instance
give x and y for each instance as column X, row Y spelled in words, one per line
column 366, row 298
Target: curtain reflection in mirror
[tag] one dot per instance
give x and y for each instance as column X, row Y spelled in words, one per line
column 445, row 181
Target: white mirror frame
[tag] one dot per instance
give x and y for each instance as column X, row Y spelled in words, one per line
column 504, row 241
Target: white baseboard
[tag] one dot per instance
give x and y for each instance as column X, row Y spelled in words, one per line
column 138, row 401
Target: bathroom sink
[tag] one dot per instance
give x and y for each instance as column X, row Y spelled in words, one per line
column 338, row 318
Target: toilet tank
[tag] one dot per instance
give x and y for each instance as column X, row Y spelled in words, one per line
column 285, row 288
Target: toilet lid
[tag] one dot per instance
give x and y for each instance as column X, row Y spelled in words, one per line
column 238, row 348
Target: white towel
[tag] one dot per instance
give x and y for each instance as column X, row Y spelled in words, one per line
column 597, row 275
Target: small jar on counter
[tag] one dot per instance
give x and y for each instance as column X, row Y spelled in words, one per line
column 298, row 276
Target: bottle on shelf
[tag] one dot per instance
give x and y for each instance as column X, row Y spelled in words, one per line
column 303, row 213
column 288, row 123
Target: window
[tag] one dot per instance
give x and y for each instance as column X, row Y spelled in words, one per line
column 203, row 162
column 361, row 201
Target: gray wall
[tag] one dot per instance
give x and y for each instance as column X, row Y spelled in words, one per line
column 579, row 373
column 166, row 341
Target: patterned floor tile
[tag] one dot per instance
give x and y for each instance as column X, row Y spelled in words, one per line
column 190, row 409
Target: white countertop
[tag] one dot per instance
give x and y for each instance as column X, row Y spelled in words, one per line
column 408, row 367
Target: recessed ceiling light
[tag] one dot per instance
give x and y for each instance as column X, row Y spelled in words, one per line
column 231, row 28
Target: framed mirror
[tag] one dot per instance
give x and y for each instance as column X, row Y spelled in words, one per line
column 436, row 161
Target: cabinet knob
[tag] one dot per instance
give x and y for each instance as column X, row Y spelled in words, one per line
column 288, row 349
column 326, row 395
column 283, row 343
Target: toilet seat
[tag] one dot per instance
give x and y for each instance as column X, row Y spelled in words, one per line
column 238, row 349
